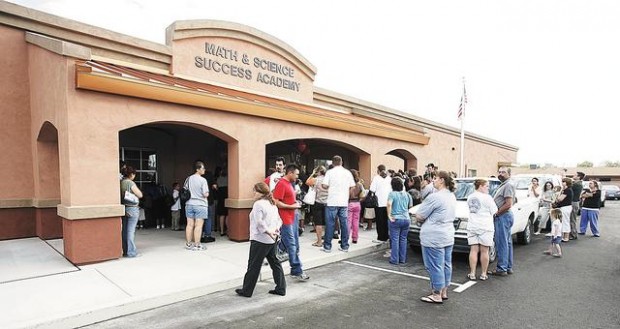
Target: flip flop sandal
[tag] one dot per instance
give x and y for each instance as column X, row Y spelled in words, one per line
column 483, row 278
column 428, row 299
column 471, row 277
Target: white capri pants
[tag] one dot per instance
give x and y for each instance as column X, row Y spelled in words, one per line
column 566, row 210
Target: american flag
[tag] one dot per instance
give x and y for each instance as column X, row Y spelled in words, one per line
column 461, row 113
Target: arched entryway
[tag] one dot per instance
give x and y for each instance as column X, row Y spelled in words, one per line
column 406, row 160
column 47, row 183
column 164, row 153
column 309, row 153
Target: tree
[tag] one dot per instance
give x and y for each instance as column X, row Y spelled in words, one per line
column 585, row 164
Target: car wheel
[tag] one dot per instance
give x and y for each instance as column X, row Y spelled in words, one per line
column 525, row 237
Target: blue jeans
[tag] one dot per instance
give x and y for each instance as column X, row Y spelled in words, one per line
column 438, row 263
column 129, row 222
column 331, row 213
column 208, row 226
column 589, row 216
column 398, row 240
column 290, row 238
column 503, row 241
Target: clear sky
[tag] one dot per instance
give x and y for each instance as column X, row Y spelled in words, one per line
column 542, row 75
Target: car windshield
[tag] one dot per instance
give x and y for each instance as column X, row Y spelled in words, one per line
column 611, row 187
column 465, row 187
column 521, row 183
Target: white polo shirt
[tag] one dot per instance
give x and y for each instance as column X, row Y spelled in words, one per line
column 338, row 180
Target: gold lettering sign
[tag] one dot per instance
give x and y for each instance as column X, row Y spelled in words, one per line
column 242, row 61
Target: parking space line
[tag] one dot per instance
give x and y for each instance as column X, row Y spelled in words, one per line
column 460, row 287
column 464, row 286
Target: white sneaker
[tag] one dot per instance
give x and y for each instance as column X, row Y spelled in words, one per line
column 548, row 234
column 378, row 241
column 326, row 250
column 302, row 277
column 199, row 247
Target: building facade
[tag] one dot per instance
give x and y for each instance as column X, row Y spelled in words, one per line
column 76, row 99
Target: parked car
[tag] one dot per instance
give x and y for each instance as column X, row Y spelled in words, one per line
column 587, row 188
column 525, row 211
column 612, row 192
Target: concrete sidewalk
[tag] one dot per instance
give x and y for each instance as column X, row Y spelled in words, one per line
column 165, row 273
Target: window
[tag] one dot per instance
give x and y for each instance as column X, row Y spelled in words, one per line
column 144, row 161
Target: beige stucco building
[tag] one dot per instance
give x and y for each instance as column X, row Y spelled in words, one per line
column 76, row 99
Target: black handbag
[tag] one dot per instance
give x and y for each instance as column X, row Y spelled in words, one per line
column 281, row 252
column 184, row 193
column 371, row 200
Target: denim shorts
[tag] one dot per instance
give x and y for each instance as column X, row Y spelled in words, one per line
column 195, row 212
column 556, row 240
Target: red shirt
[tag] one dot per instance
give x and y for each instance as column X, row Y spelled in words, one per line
column 285, row 192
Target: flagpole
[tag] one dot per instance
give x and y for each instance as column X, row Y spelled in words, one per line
column 462, row 162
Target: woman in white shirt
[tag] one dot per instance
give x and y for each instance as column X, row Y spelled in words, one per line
column 480, row 228
column 265, row 225
column 381, row 185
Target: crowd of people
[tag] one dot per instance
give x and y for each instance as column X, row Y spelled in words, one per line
column 337, row 203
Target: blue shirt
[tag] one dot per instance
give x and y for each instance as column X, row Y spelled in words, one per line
column 400, row 204
column 439, row 210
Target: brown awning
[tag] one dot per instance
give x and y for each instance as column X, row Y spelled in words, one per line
column 126, row 81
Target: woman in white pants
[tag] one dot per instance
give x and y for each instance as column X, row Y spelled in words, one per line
column 564, row 202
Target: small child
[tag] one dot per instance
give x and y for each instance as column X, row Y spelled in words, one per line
column 175, row 209
column 556, row 234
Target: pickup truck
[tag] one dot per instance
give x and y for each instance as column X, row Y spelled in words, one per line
column 525, row 211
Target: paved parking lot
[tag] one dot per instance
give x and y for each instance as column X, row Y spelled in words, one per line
column 577, row 291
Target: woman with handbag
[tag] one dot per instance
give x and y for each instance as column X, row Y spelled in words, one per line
column 131, row 195
column 320, row 200
column 265, row 225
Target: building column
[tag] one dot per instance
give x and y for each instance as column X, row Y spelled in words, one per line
column 245, row 161
column 90, row 196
